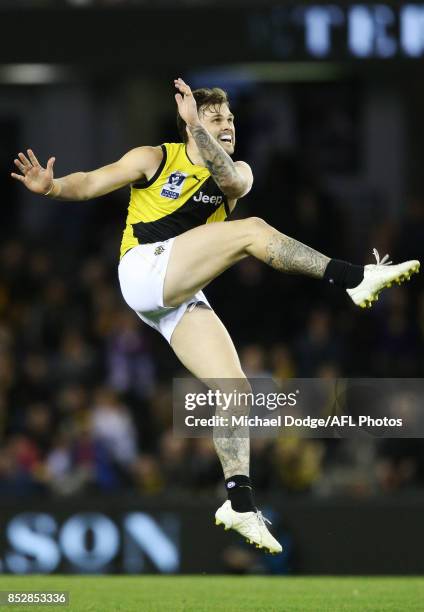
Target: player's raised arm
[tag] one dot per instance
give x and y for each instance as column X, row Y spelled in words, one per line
column 233, row 178
column 133, row 166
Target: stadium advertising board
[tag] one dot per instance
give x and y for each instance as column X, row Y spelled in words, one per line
column 168, row 537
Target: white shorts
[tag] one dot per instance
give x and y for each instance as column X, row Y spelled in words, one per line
column 141, row 274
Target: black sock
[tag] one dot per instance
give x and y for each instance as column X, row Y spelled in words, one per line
column 240, row 493
column 343, row 274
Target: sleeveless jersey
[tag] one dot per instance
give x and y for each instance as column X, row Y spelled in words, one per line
column 179, row 197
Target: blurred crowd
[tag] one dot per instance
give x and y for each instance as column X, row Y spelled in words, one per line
column 85, row 386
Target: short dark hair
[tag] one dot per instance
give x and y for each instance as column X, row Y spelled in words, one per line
column 205, row 98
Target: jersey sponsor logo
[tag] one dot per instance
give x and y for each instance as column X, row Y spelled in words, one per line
column 201, row 197
column 173, row 187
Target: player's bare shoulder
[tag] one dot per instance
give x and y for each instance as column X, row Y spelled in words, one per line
column 145, row 160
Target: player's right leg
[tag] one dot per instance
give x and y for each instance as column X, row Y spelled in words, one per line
column 201, row 254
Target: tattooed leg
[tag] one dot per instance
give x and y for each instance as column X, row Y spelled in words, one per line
column 288, row 255
column 233, row 452
column 281, row 252
column 232, row 442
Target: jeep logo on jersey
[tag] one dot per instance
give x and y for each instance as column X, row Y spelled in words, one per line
column 217, row 200
column 172, row 188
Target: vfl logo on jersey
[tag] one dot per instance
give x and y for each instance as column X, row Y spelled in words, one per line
column 217, row 200
column 172, row 188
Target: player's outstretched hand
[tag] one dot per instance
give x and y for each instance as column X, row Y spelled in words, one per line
column 33, row 176
column 186, row 103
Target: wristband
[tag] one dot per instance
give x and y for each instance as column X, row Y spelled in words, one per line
column 50, row 190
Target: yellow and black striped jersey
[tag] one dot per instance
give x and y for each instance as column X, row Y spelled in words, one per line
column 180, row 196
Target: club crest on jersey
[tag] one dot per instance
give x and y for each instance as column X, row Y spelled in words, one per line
column 173, row 186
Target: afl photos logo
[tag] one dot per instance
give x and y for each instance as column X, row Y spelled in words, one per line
column 173, row 186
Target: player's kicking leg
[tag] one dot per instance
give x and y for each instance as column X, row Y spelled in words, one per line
column 205, row 348
column 201, row 254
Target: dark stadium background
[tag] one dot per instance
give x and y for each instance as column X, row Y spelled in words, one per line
column 91, row 477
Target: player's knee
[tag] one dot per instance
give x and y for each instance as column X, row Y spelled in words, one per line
column 255, row 225
column 236, row 395
column 235, row 383
column 242, row 385
column 244, row 233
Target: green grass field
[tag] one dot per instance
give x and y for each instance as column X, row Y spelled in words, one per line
column 225, row 593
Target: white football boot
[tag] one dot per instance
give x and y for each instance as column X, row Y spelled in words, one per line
column 378, row 276
column 251, row 525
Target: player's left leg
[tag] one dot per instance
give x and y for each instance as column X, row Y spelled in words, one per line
column 205, row 348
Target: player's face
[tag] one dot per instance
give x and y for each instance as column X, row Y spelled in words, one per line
column 219, row 121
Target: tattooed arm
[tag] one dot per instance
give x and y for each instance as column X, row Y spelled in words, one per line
column 233, row 178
